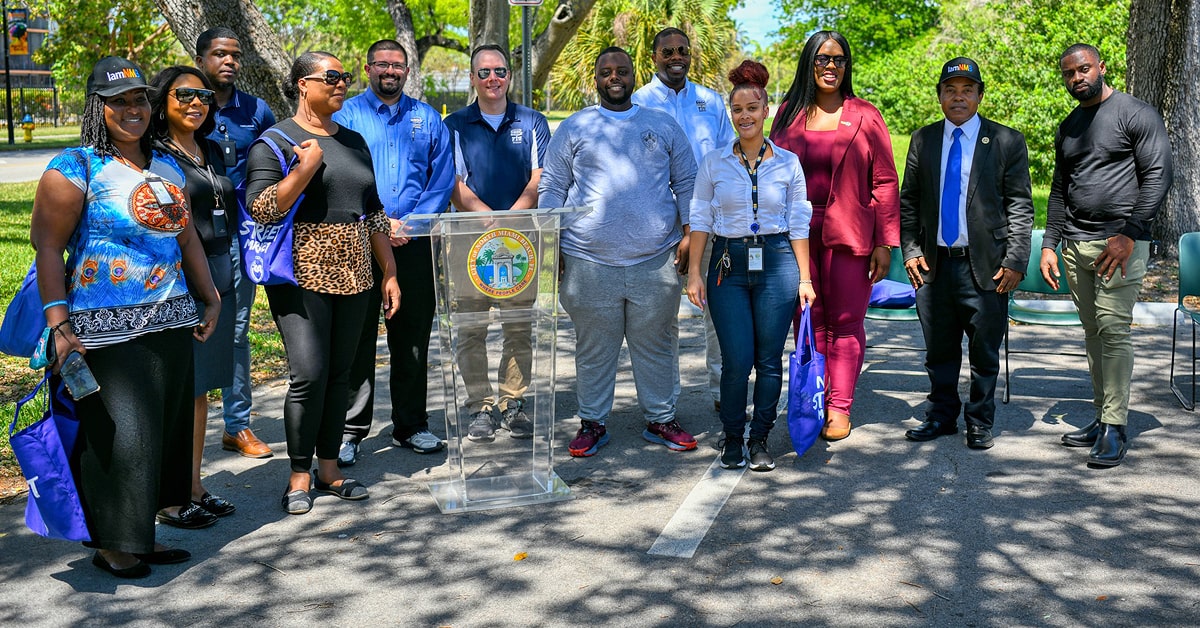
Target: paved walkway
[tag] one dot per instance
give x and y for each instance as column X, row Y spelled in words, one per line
column 869, row 531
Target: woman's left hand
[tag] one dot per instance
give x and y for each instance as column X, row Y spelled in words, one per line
column 881, row 263
column 212, row 311
column 391, row 296
column 807, row 295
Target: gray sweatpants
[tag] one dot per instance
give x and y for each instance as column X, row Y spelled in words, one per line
column 639, row 304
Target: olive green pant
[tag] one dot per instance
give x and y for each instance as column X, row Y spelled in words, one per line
column 1106, row 311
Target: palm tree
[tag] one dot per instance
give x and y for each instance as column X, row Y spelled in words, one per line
column 632, row 24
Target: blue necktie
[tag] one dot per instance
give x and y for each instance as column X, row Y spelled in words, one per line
column 950, row 190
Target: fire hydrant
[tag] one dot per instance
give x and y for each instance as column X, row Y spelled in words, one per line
column 27, row 124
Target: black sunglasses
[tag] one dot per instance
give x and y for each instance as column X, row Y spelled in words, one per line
column 821, row 61
column 188, row 94
column 485, row 72
column 331, row 77
column 682, row 51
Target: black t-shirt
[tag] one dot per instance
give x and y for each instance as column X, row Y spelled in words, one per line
column 342, row 191
column 205, row 197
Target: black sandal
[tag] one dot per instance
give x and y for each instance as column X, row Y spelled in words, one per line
column 193, row 516
column 218, row 506
column 351, row 490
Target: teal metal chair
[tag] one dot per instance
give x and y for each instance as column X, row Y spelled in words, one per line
column 1189, row 286
column 1054, row 312
column 896, row 272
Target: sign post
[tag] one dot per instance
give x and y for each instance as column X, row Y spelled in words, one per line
column 526, row 36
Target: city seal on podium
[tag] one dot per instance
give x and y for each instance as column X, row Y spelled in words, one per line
column 502, row 263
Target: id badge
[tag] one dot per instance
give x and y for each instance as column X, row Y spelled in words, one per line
column 754, row 258
column 220, row 224
column 228, row 152
column 162, row 195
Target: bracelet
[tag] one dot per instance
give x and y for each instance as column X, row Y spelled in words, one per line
column 54, row 328
column 886, row 246
column 804, row 281
column 52, row 304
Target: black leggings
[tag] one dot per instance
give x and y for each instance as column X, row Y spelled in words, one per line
column 320, row 334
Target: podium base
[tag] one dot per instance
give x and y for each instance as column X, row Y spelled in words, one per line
column 503, row 491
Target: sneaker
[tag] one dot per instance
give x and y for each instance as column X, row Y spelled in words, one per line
column 348, row 454
column 588, row 439
column 731, row 453
column 760, row 458
column 482, row 427
column 423, row 442
column 519, row 425
column 669, row 434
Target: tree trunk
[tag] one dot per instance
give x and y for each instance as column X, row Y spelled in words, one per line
column 264, row 64
column 489, row 23
column 1163, row 55
column 402, row 19
column 547, row 45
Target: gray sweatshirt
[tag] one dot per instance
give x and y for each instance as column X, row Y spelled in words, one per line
column 636, row 173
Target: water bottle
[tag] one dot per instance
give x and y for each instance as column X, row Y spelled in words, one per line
column 77, row 376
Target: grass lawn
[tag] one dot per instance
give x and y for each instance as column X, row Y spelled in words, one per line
column 62, row 136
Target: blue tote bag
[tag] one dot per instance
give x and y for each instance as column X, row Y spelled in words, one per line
column 806, row 388
column 23, row 320
column 43, row 451
column 266, row 248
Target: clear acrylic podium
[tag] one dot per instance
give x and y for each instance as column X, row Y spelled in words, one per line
column 497, row 270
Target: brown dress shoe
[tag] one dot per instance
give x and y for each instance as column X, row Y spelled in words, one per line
column 246, row 444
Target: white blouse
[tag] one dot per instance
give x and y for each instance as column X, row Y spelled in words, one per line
column 721, row 200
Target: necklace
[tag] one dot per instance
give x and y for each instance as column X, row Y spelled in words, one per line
column 195, row 157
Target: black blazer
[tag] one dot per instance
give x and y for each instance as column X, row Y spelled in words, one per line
column 999, row 201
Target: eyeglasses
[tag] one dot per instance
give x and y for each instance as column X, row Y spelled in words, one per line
column 331, row 77
column 186, row 95
column 384, row 66
column 485, row 72
column 682, row 51
column 821, row 61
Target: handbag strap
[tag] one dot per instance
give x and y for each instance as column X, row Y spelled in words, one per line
column 26, row 399
column 805, row 330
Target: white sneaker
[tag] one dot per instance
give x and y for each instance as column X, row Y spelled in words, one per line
column 348, row 454
column 423, row 442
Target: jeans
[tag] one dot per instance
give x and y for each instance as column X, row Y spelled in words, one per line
column 752, row 311
column 236, row 399
column 1106, row 310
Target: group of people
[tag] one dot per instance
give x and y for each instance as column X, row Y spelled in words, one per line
column 763, row 228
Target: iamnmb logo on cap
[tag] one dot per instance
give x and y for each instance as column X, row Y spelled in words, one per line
column 124, row 74
column 960, row 67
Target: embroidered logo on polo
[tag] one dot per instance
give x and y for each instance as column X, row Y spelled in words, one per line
column 502, row 263
column 701, row 105
column 144, row 208
column 516, row 135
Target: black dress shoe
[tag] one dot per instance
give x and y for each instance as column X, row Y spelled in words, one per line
column 979, row 437
column 1110, row 446
column 165, row 557
column 931, row 429
column 1084, row 436
column 137, row 570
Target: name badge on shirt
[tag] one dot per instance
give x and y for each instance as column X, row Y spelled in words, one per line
column 754, row 258
column 701, row 105
column 228, row 152
column 516, row 135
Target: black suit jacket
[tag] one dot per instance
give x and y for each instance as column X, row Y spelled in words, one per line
column 999, row 201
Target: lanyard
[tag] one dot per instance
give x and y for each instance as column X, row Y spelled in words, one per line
column 753, row 173
column 204, row 167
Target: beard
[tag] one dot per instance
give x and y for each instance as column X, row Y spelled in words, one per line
column 391, row 88
column 1092, row 91
column 608, row 99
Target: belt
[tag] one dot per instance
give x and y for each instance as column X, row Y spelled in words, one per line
column 750, row 239
column 953, row 251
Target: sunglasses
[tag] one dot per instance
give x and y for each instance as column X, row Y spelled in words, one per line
column 188, row 94
column 485, row 72
column 332, row 77
column 821, row 61
column 682, row 51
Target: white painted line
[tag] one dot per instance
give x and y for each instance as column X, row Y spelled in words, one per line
column 695, row 516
